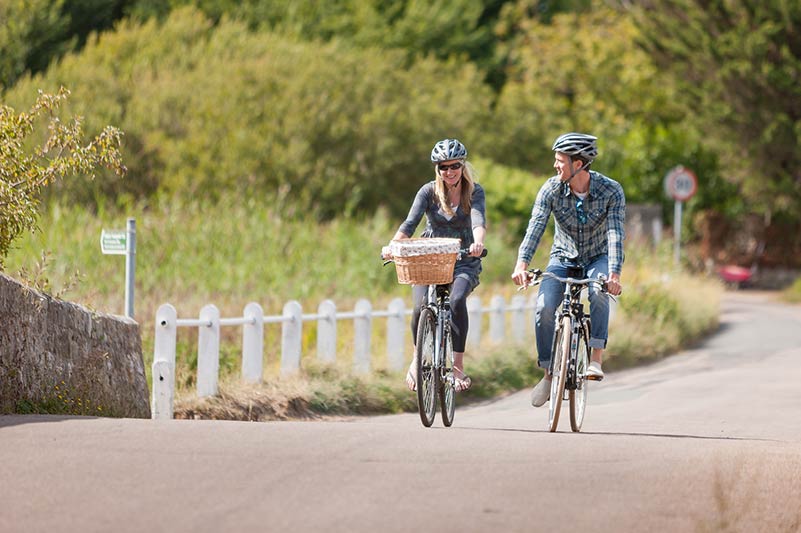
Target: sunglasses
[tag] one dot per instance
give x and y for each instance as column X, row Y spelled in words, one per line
column 580, row 213
column 453, row 166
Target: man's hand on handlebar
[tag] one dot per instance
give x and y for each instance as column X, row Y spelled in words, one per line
column 613, row 285
column 521, row 276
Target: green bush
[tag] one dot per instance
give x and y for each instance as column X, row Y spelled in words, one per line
column 314, row 128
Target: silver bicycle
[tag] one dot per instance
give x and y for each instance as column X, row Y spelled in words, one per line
column 570, row 352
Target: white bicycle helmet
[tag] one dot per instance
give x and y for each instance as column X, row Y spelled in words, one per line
column 577, row 144
column 447, row 150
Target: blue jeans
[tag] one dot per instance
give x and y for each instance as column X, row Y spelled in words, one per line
column 549, row 301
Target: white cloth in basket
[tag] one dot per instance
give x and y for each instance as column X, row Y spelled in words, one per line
column 417, row 247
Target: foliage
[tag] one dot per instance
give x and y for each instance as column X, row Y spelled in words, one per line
column 661, row 311
column 793, row 292
column 26, row 33
column 738, row 67
column 24, row 173
column 510, row 194
column 318, row 128
column 35, row 33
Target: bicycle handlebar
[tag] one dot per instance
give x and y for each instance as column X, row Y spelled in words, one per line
column 462, row 252
column 536, row 275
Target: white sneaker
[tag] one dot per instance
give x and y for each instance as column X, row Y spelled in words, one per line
column 541, row 392
column 594, row 371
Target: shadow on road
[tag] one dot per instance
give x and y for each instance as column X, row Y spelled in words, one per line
column 16, row 420
column 619, row 434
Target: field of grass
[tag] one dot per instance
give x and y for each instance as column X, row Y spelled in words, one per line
column 235, row 252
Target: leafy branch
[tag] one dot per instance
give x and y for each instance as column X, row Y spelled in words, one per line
column 25, row 172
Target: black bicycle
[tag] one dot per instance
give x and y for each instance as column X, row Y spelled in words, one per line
column 570, row 353
column 434, row 355
column 436, row 382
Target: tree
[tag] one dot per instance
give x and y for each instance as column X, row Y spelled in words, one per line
column 25, row 172
column 738, row 65
column 26, row 29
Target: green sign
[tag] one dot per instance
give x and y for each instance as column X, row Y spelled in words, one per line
column 113, row 242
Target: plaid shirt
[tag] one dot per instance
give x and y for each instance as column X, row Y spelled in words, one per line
column 601, row 233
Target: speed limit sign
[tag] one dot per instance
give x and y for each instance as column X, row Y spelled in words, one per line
column 681, row 183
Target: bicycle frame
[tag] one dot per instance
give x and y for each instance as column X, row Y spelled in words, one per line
column 573, row 307
column 439, row 301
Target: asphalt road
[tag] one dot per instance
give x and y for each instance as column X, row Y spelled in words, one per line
column 705, row 440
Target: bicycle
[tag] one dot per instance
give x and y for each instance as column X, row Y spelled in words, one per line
column 434, row 354
column 570, row 352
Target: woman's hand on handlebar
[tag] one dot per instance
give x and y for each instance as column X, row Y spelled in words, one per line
column 476, row 249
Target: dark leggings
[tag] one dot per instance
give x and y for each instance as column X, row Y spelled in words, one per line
column 460, row 290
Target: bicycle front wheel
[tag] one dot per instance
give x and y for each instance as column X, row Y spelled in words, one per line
column 447, row 398
column 559, row 356
column 426, row 380
column 578, row 395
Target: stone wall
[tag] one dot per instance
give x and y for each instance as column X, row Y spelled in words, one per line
column 59, row 357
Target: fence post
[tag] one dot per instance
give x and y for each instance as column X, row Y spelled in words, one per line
column 163, row 397
column 327, row 332
column 208, row 351
column 474, row 316
column 396, row 334
column 291, row 335
column 164, row 363
column 253, row 344
column 362, row 325
column 497, row 318
column 518, row 308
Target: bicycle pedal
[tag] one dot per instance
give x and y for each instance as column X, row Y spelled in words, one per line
column 594, row 378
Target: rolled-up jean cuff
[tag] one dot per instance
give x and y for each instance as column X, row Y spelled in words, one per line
column 597, row 343
column 543, row 364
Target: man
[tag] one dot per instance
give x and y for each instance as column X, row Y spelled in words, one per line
column 589, row 211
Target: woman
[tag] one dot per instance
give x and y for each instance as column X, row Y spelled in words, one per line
column 454, row 207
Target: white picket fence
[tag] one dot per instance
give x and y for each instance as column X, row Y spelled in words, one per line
column 253, row 320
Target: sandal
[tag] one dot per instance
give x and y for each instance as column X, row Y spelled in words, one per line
column 462, row 384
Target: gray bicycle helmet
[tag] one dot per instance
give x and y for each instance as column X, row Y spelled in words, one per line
column 447, row 150
column 579, row 145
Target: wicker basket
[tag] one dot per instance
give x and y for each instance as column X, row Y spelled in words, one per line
column 425, row 261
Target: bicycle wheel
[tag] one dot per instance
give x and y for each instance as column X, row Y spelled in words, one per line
column 447, row 400
column 559, row 357
column 426, row 380
column 578, row 395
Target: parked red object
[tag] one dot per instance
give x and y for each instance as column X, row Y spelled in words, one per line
column 735, row 274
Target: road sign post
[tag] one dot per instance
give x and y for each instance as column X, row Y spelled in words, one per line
column 123, row 243
column 680, row 184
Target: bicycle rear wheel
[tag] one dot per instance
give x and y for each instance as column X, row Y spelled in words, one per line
column 559, row 357
column 447, row 397
column 426, row 380
column 578, row 395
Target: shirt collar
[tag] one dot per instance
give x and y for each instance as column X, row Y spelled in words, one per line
column 566, row 186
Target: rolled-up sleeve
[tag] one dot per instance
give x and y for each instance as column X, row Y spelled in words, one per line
column 616, row 233
column 537, row 223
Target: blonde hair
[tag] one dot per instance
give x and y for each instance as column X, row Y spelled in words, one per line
column 469, row 177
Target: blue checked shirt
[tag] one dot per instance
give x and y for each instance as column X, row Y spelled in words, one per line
column 601, row 233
